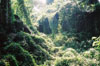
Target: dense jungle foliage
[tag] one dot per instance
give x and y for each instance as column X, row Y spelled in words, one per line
column 49, row 32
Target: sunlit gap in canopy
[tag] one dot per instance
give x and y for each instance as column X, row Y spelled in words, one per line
column 42, row 1
column 99, row 1
column 39, row 4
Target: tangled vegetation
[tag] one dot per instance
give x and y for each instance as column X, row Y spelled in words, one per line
column 49, row 33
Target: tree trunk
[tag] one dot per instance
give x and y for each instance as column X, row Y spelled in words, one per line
column 5, row 11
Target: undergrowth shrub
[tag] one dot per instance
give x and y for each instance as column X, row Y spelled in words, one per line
column 12, row 60
column 96, row 43
column 34, row 45
column 72, row 58
column 70, row 53
column 23, row 57
column 78, row 41
column 29, row 39
column 92, row 54
column 76, row 61
column 3, row 62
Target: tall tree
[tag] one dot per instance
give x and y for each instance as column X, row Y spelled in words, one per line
column 25, row 14
column 5, row 11
column 24, row 11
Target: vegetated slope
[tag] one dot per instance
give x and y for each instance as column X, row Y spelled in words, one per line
column 22, row 49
